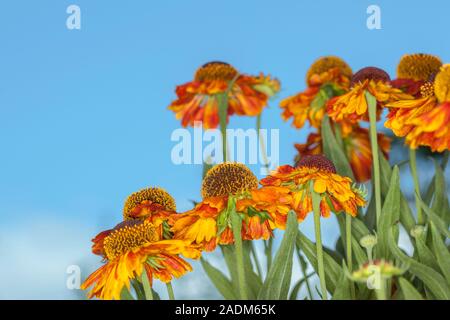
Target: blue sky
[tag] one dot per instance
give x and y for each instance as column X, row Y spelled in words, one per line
column 83, row 119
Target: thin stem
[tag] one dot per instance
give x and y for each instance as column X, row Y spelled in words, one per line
column 320, row 266
column 372, row 104
column 236, row 224
column 262, row 145
column 348, row 235
column 223, row 113
column 413, row 167
column 381, row 292
column 170, row 291
column 147, row 288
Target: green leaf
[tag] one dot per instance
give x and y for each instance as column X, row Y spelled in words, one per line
column 125, row 294
column 294, row 292
column 333, row 151
column 333, row 269
column 440, row 203
column 425, row 255
column 406, row 216
column 342, row 291
column 409, row 292
column 390, row 214
column 220, row 281
column 438, row 222
column 277, row 283
column 441, row 252
column 432, row 279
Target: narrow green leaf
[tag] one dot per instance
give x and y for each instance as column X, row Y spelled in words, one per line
column 342, row 291
column 333, row 151
column 440, row 203
column 409, row 292
column 220, row 281
column 432, row 279
column 277, row 283
column 438, row 222
column 333, row 269
column 125, row 294
column 390, row 214
column 441, row 252
column 294, row 292
column 425, row 255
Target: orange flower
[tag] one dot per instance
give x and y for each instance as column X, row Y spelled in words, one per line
column 432, row 129
column 425, row 121
column 327, row 77
column 357, row 148
column 353, row 107
column 337, row 192
column 132, row 248
column 229, row 187
column 198, row 100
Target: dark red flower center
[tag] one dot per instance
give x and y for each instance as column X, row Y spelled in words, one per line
column 370, row 73
column 318, row 161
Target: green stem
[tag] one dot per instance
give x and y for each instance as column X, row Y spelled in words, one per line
column 372, row 104
column 236, row 224
column 262, row 145
column 170, row 291
column 381, row 293
column 320, row 266
column 223, row 113
column 413, row 167
column 125, row 294
column 147, row 288
column 348, row 235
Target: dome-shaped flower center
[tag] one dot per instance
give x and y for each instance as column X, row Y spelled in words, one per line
column 146, row 196
column 427, row 90
column 418, row 67
column 327, row 63
column 228, row 178
column 318, row 161
column 442, row 84
column 215, row 70
column 370, row 73
column 128, row 235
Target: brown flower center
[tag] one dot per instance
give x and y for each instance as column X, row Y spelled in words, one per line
column 215, row 70
column 128, row 235
column 149, row 195
column 318, row 161
column 427, row 90
column 418, row 67
column 228, row 178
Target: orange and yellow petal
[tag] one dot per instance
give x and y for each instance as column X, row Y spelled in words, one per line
column 431, row 129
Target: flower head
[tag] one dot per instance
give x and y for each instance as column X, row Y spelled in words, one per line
column 133, row 249
column 352, row 106
column 228, row 178
column 198, row 100
column 382, row 268
column 418, row 66
column 424, row 121
column 227, row 188
column 356, row 145
column 337, row 192
column 146, row 202
column 326, row 78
